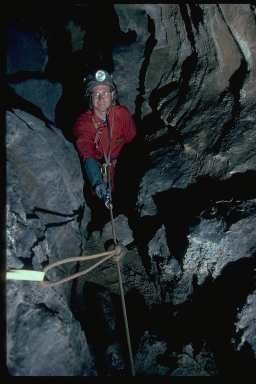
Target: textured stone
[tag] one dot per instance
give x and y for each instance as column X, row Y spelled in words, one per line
column 41, row 93
column 210, row 249
column 149, row 351
column 245, row 324
column 43, row 338
column 191, row 364
column 129, row 59
column 123, row 231
column 45, row 207
column 188, row 74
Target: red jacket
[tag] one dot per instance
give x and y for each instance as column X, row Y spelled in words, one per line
column 92, row 136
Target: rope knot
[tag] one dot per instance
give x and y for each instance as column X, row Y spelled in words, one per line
column 120, row 251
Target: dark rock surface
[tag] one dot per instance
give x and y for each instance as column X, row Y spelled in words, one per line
column 26, row 50
column 188, row 74
column 27, row 58
column 40, row 328
column 46, row 218
column 44, row 94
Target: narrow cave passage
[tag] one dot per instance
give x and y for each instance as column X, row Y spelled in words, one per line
column 184, row 202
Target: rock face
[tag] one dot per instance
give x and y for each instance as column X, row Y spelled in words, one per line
column 188, row 75
column 197, row 194
column 27, row 58
column 42, row 93
column 46, row 218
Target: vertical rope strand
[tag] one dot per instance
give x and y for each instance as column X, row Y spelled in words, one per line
column 125, row 319
column 113, row 225
column 109, row 181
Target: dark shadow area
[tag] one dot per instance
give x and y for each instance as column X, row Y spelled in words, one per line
column 188, row 24
column 100, row 215
column 175, row 93
column 132, row 164
column 139, row 316
column 3, row 212
column 206, row 320
column 68, row 68
column 150, row 128
column 236, row 83
column 90, row 315
column 196, row 14
column 187, row 69
column 180, row 209
column 211, row 315
column 161, row 93
column 144, row 230
column 24, row 75
column 150, row 44
column 101, row 318
column 102, row 33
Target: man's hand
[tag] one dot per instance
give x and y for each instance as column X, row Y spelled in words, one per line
column 107, row 199
column 104, row 194
column 101, row 190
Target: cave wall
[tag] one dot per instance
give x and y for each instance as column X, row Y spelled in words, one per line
column 197, row 113
column 46, row 221
column 187, row 72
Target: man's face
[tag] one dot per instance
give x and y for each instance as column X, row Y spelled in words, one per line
column 101, row 98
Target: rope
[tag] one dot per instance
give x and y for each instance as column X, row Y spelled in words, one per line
column 116, row 252
column 78, row 274
column 117, row 259
column 113, row 225
column 125, row 319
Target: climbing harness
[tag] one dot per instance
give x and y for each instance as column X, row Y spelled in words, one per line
column 106, row 166
column 116, row 254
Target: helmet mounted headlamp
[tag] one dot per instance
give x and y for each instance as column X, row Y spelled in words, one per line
column 100, row 77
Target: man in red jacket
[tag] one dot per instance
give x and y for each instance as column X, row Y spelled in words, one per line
column 100, row 135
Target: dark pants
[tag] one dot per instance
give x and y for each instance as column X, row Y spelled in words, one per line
column 100, row 214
